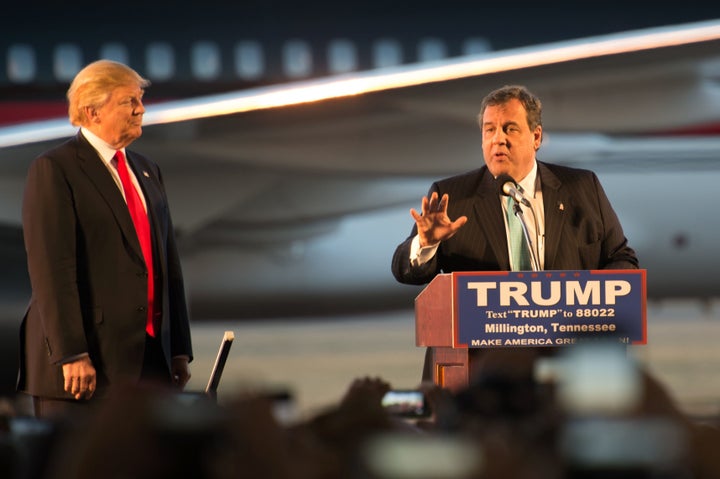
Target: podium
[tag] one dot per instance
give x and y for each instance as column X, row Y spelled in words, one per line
column 463, row 310
column 434, row 329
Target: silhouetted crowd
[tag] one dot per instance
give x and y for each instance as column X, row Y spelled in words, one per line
column 590, row 413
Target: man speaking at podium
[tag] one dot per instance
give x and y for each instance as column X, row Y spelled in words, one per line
column 464, row 224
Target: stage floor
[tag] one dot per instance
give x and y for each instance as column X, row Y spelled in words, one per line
column 318, row 359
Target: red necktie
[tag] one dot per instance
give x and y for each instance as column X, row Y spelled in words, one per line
column 142, row 228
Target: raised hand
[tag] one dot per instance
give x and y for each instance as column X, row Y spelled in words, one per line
column 433, row 223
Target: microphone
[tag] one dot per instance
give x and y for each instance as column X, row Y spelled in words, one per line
column 507, row 186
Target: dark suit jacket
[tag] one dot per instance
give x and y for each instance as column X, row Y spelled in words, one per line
column 582, row 230
column 88, row 276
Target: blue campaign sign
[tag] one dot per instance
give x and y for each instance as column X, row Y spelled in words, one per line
column 548, row 308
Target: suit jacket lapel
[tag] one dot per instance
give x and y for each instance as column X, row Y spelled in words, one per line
column 556, row 209
column 489, row 214
column 99, row 175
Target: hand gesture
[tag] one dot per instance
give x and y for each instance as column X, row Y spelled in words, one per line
column 434, row 225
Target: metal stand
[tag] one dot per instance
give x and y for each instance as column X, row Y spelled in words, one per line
column 528, row 240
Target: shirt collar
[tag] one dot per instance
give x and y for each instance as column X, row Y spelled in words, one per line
column 106, row 152
column 528, row 183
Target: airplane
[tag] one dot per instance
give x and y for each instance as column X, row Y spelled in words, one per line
column 289, row 197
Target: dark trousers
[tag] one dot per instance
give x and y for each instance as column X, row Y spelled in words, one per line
column 155, row 368
column 155, row 372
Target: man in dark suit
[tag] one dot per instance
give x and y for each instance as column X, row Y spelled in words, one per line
column 108, row 303
column 570, row 219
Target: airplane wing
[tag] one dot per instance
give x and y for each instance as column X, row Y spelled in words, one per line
column 289, row 200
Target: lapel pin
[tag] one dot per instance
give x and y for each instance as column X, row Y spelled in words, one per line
column 146, row 174
column 561, row 206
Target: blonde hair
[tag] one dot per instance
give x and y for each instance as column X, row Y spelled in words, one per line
column 94, row 84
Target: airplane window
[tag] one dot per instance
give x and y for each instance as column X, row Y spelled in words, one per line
column 386, row 53
column 297, row 59
column 342, row 56
column 472, row 46
column 205, row 58
column 160, row 61
column 21, row 63
column 115, row 51
column 249, row 61
column 430, row 49
column 67, row 61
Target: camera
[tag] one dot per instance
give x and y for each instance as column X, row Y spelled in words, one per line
column 409, row 403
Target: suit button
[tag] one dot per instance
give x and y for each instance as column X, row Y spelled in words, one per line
column 141, row 308
column 143, row 274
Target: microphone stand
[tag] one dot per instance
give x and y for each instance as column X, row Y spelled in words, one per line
column 528, row 240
